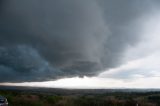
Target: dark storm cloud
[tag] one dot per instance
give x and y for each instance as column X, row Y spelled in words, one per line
column 49, row 39
column 24, row 63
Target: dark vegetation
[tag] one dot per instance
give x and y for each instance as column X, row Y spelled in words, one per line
column 63, row 97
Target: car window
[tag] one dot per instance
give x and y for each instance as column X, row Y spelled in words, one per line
column 2, row 101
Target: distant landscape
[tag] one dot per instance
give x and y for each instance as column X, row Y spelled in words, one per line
column 30, row 96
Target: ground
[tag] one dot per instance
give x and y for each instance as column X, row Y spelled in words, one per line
column 70, row 97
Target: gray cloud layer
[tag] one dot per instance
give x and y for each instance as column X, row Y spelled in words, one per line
column 50, row 39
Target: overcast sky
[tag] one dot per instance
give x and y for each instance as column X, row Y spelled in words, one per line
column 80, row 44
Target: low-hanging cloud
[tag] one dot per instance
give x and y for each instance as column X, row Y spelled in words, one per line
column 45, row 40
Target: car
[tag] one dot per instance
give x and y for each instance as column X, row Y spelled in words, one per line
column 3, row 101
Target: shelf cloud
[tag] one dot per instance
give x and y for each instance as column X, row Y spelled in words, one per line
column 47, row 40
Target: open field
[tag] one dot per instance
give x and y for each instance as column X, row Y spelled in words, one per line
column 26, row 96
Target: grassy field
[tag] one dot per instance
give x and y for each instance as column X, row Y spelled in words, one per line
column 59, row 98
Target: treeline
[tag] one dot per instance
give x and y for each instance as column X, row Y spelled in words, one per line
column 16, row 98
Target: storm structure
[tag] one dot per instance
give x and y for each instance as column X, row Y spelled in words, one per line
column 43, row 40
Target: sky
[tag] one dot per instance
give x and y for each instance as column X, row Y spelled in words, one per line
column 80, row 44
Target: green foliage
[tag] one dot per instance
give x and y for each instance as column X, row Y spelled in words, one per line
column 154, row 99
column 53, row 99
column 17, row 98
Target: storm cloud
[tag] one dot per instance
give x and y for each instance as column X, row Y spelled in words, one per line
column 50, row 39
